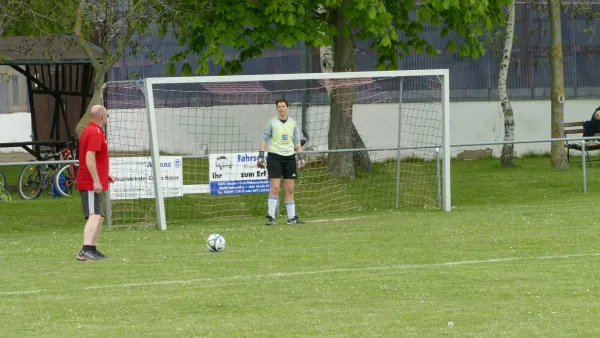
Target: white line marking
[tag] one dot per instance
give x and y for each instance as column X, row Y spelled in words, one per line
column 315, row 272
column 8, row 293
column 304, row 273
column 336, row 219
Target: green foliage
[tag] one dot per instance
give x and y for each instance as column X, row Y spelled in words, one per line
column 36, row 17
column 110, row 24
column 251, row 26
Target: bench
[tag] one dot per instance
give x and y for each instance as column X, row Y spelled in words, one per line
column 577, row 128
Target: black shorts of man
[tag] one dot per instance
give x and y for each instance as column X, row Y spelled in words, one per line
column 284, row 136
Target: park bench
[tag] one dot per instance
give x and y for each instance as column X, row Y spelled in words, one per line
column 578, row 128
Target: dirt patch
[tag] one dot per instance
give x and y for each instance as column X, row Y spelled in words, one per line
column 15, row 157
column 475, row 154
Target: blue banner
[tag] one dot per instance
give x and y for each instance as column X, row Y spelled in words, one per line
column 239, row 187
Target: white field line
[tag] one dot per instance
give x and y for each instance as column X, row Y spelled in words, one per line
column 336, row 219
column 315, row 272
column 9, row 293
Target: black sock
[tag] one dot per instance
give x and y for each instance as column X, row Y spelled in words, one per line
column 89, row 248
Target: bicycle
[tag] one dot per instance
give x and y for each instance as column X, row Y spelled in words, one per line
column 35, row 178
column 65, row 179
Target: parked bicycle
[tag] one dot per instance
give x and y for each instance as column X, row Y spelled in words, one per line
column 35, row 178
column 65, row 178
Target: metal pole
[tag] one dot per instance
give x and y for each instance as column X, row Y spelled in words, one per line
column 447, row 200
column 438, row 178
column 11, row 164
column 161, row 217
column 108, row 202
column 399, row 148
column 583, row 169
column 524, row 141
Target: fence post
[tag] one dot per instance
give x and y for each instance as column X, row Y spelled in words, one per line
column 438, row 178
column 583, row 169
column 108, row 202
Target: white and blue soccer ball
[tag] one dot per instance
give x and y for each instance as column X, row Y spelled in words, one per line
column 215, row 243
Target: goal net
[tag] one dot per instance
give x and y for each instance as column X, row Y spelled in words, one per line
column 373, row 140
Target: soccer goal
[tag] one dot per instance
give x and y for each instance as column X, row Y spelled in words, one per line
column 185, row 148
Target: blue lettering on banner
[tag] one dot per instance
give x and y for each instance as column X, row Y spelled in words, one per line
column 162, row 165
column 247, row 158
column 239, row 187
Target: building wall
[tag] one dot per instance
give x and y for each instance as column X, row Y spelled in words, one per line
column 15, row 127
column 232, row 128
column 470, row 79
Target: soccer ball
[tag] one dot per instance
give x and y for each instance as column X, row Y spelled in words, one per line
column 215, row 243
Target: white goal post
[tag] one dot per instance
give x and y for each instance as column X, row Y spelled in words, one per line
column 432, row 119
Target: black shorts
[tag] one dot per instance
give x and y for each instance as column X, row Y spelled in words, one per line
column 93, row 203
column 279, row 166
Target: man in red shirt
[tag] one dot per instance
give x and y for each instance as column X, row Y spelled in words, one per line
column 93, row 179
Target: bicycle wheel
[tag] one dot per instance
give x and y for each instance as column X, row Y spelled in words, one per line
column 31, row 181
column 64, row 179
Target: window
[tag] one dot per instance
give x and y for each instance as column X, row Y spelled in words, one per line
column 16, row 102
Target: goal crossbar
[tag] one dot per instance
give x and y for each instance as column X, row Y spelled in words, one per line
column 300, row 76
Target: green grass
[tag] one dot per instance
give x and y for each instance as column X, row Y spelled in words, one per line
column 518, row 256
column 317, row 191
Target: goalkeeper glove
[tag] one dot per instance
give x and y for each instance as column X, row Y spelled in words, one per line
column 261, row 159
column 301, row 162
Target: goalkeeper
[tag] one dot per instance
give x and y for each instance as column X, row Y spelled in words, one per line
column 284, row 135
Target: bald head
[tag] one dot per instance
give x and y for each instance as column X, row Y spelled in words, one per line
column 99, row 114
column 98, row 111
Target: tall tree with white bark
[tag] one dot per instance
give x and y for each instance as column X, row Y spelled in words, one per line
column 507, row 157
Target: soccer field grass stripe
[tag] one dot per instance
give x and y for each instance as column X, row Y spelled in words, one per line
column 314, row 272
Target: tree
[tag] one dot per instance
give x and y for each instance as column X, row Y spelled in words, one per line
column 14, row 10
column 251, row 26
column 557, row 93
column 9, row 12
column 507, row 157
column 581, row 9
column 113, row 25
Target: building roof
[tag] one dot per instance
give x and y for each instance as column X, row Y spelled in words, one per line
column 22, row 50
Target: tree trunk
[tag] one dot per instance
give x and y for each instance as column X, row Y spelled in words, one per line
column 361, row 158
column 342, row 131
column 507, row 157
column 98, row 83
column 340, row 135
column 557, row 95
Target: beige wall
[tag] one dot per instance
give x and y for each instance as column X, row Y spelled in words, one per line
column 235, row 128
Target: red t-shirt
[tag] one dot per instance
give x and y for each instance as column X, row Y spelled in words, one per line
column 92, row 138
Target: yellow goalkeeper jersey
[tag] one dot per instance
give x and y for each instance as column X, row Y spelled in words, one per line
column 283, row 136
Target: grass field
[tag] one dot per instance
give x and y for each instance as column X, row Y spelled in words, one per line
column 518, row 256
